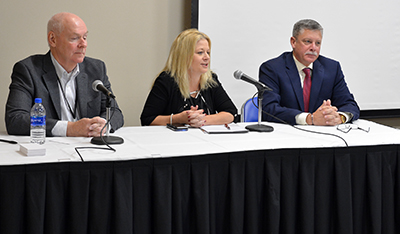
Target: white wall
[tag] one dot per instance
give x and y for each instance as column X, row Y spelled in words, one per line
column 132, row 37
column 362, row 35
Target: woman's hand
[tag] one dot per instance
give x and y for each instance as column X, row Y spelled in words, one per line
column 195, row 117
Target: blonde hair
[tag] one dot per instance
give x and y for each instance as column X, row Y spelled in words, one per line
column 180, row 59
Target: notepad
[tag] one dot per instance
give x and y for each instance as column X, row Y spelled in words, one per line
column 32, row 149
column 222, row 129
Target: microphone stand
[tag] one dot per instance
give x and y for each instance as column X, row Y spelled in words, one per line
column 107, row 139
column 260, row 127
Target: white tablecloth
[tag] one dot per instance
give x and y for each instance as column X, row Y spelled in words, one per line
column 158, row 141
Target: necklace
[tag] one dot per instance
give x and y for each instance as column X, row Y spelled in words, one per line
column 193, row 92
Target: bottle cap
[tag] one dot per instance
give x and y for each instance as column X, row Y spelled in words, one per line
column 38, row 100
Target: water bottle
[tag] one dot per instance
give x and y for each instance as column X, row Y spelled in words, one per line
column 38, row 122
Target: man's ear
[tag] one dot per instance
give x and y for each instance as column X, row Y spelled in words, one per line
column 51, row 38
column 292, row 41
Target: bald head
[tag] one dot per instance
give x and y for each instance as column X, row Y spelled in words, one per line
column 66, row 35
column 58, row 22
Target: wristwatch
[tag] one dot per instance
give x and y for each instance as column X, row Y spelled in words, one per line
column 342, row 118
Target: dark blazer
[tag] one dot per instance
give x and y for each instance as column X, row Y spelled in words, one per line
column 286, row 99
column 36, row 77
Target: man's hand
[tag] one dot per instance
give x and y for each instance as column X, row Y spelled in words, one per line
column 86, row 127
column 326, row 115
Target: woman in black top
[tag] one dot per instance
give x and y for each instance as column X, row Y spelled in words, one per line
column 186, row 91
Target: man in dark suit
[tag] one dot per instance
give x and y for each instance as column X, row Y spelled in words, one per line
column 330, row 101
column 63, row 79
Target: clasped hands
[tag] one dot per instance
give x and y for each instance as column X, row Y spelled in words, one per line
column 325, row 115
column 86, row 127
column 195, row 117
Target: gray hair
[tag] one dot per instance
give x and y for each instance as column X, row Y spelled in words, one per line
column 303, row 24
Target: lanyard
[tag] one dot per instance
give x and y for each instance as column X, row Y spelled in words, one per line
column 73, row 113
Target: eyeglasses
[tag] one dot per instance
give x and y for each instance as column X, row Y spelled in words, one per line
column 347, row 127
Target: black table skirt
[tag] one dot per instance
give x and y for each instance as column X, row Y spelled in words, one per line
column 330, row 190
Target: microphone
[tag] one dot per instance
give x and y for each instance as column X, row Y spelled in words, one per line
column 261, row 88
column 241, row 76
column 107, row 139
column 98, row 86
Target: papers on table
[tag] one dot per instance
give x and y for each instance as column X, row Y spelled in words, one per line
column 32, row 149
column 227, row 128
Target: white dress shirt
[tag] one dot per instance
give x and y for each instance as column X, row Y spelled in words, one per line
column 68, row 87
column 301, row 118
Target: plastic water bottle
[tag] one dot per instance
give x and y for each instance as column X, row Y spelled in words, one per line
column 38, row 122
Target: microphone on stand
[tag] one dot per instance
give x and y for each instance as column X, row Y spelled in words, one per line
column 261, row 88
column 107, row 139
column 241, row 76
column 98, row 86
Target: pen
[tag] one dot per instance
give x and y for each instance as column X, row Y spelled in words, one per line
column 8, row 141
column 226, row 125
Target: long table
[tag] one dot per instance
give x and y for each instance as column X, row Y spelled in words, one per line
column 159, row 181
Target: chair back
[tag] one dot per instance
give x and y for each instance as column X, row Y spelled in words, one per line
column 249, row 111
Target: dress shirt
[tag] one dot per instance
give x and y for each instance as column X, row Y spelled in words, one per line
column 68, row 87
column 301, row 118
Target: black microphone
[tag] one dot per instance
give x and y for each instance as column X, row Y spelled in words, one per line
column 241, row 76
column 98, row 86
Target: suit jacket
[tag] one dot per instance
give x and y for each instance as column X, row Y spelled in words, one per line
column 286, row 99
column 35, row 77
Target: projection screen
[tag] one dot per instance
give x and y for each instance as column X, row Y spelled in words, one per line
column 362, row 35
